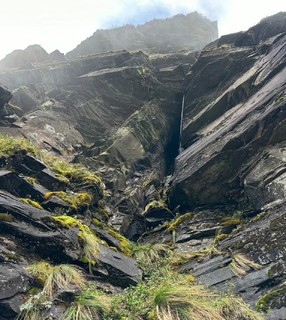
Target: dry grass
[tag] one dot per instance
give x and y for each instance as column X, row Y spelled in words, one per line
column 240, row 264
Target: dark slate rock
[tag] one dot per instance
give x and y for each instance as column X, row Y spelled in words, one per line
column 104, row 235
column 276, row 314
column 22, row 211
column 54, row 203
column 18, row 186
column 234, row 125
column 34, row 164
column 9, row 308
column 13, row 280
column 58, row 246
column 155, row 215
column 117, row 268
column 48, row 179
column 5, row 96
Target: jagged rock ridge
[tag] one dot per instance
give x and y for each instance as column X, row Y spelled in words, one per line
column 191, row 32
column 32, row 54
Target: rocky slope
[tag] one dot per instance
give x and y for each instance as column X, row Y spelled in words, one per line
column 192, row 32
column 119, row 113
column 232, row 162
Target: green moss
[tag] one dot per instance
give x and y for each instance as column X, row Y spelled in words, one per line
column 228, row 221
column 68, row 172
column 259, row 216
column 125, row 244
column 6, row 217
column 76, row 200
column 155, row 204
column 72, row 172
column 88, row 238
column 31, row 202
column 12, row 256
column 10, row 145
column 220, row 236
column 174, row 223
column 31, row 180
column 263, row 304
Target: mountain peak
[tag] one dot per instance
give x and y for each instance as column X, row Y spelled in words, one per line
column 191, row 31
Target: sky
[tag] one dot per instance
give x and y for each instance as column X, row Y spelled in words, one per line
column 63, row 24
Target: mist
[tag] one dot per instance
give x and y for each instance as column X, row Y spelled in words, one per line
column 64, row 24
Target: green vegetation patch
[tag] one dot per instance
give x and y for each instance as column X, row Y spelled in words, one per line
column 125, row 245
column 166, row 294
column 31, row 202
column 89, row 239
column 174, row 223
column 264, row 303
column 75, row 200
column 6, row 217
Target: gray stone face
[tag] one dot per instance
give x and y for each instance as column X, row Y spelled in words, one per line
column 229, row 125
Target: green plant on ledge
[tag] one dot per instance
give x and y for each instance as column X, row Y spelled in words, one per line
column 125, row 245
column 54, row 280
column 68, row 172
column 74, row 199
column 31, row 202
column 89, row 239
column 177, row 221
column 89, row 305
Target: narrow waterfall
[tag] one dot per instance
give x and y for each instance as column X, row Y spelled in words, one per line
column 181, row 123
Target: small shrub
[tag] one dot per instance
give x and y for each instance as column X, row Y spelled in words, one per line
column 40, row 270
column 234, row 308
column 60, row 279
column 10, row 145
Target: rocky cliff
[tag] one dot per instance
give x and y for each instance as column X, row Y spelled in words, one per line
column 192, row 32
column 190, row 150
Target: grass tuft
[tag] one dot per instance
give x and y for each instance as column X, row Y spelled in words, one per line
column 241, row 264
column 56, row 279
column 89, row 305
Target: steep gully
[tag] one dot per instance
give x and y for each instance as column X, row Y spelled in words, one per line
column 225, row 112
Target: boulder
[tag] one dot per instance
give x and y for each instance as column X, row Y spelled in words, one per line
column 5, row 96
column 117, row 268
